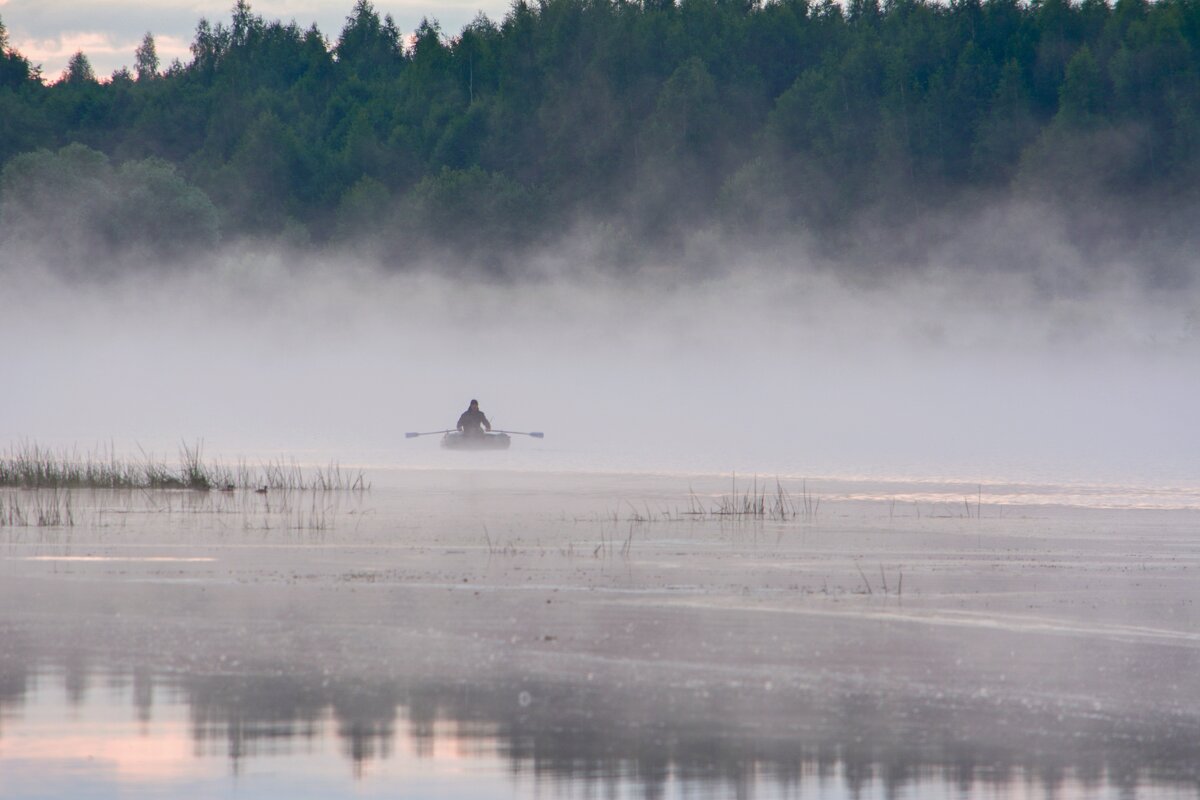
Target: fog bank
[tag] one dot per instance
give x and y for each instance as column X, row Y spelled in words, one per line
column 785, row 368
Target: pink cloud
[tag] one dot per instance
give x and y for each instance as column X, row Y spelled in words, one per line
column 105, row 51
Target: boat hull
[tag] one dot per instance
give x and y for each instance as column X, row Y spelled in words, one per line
column 490, row 441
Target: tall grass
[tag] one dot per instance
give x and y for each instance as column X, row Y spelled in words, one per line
column 758, row 501
column 29, row 465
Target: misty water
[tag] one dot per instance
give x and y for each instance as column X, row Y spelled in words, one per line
column 497, row 633
column 984, row 586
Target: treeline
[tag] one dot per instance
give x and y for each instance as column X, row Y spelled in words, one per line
column 645, row 121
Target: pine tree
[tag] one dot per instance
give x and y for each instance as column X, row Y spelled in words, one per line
column 79, row 70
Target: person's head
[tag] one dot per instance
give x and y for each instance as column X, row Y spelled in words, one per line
column 474, row 404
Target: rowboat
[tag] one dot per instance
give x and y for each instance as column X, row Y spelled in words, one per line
column 455, row 440
column 489, row 441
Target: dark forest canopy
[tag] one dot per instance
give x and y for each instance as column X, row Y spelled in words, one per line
column 644, row 120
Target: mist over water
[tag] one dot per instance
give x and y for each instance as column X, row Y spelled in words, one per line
column 780, row 366
column 960, row 612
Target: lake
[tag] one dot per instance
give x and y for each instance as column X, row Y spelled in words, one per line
column 473, row 632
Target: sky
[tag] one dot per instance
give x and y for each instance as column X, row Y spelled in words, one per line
column 49, row 32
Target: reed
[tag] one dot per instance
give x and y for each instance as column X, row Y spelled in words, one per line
column 754, row 502
column 31, row 466
column 761, row 502
column 279, row 475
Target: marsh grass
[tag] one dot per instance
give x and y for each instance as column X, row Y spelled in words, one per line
column 31, row 466
column 315, row 509
column 758, row 502
column 612, row 545
column 883, row 581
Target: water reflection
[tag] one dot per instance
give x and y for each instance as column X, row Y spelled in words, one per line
column 554, row 736
column 202, row 648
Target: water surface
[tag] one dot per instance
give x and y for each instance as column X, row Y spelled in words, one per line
column 505, row 633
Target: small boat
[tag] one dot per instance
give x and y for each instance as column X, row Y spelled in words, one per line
column 489, row 441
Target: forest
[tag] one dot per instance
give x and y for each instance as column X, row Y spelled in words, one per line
column 639, row 123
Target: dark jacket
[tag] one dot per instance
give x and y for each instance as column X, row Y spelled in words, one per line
column 473, row 421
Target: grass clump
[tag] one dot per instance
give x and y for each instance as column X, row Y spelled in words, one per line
column 30, row 466
column 758, row 501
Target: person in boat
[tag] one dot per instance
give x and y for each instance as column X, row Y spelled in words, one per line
column 473, row 422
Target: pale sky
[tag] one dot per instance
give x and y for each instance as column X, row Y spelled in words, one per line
column 49, row 32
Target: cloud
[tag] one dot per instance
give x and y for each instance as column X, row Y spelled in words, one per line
column 106, row 51
column 48, row 34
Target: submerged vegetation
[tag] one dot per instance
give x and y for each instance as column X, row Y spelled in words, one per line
column 31, row 466
column 642, row 121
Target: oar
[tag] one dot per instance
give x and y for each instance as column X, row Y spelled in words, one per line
column 534, row 434
column 414, row 435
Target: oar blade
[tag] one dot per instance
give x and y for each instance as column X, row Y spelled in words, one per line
column 411, row 435
column 537, row 434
